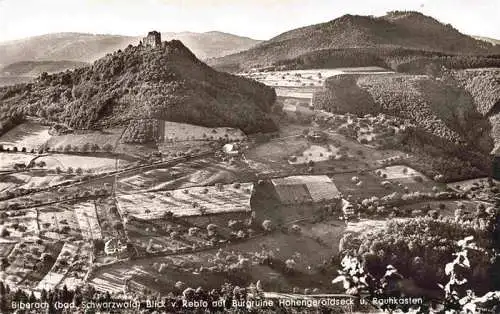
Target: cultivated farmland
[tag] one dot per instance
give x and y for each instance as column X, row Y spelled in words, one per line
column 192, row 201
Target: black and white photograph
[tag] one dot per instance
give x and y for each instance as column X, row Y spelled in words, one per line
column 249, row 156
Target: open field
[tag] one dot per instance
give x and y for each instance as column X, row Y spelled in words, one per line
column 76, row 161
column 58, row 221
column 78, row 140
column 316, row 153
column 188, row 202
column 305, row 78
column 329, row 233
column 86, row 216
column 401, row 173
column 173, row 131
column 198, row 172
column 29, row 135
column 8, row 160
column 365, row 225
column 29, row 180
column 336, row 153
column 278, row 150
column 373, row 184
column 61, row 161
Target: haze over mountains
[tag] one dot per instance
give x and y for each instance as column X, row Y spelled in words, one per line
column 89, row 47
column 395, row 30
column 57, row 52
column 488, row 40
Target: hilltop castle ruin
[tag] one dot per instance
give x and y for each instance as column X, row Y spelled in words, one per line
column 153, row 39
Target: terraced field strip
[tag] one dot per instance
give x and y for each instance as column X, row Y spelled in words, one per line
column 53, row 278
column 81, row 261
column 193, row 201
column 86, row 216
column 111, row 281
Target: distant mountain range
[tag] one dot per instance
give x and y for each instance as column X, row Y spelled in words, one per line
column 22, row 60
column 488, row 40
column 35, row 68
column 88, row 47
column 395, row 30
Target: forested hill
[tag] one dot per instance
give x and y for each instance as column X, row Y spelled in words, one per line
column 396, row 30
column 166, row 82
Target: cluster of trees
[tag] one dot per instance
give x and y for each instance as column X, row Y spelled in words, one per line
column 437, row 65
column 224, row 295
column 437, row 109
column 398, row 59
column 403, row 96
column 142, row 131
column 444, row 121
column 440, row 109
column 416, row 246
column 456, row 294
column 483, row 85
column 434, row 160
column 334, row 58
column 68, row 148
column 15, row 149
column 85, row 148
column 342, row 94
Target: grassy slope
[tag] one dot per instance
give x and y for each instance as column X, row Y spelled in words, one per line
column 89, row 47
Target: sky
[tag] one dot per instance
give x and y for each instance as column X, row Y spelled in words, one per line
column 259, row 19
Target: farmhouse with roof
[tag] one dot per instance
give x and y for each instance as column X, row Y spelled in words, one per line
column 305, row 189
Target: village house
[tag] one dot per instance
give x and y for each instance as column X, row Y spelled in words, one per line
column 305, row 189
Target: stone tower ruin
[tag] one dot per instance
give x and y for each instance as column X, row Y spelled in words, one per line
column 152, row 40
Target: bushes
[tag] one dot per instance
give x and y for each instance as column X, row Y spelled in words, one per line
column 267, row 225
column 431, row 240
